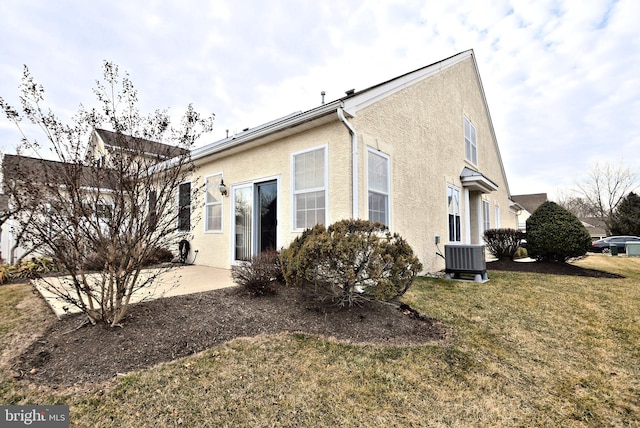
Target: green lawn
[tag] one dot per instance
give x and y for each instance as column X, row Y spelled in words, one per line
column 527, row 350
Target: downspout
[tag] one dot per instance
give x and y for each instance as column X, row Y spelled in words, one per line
column 354, row 161
column 467, row 216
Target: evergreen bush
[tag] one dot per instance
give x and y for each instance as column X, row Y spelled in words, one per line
column 350, row 262
column 521, row 253
column 32, row 268
column 626, row 220
column 556, row 234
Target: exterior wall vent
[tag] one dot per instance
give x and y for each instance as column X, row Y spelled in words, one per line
column 465, row 260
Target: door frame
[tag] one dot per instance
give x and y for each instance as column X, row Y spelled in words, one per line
column 253, row 184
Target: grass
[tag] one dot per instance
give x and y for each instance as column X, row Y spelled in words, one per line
column 527, row 350
column 23, row 317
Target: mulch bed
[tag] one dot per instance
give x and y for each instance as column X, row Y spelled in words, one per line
column 549, row 268
column 165, row 329
column 168, row 328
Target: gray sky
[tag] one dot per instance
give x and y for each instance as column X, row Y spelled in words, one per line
column 562, row 78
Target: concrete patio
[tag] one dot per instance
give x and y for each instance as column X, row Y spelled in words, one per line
column 177, row 281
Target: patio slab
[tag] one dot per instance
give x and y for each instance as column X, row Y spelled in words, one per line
column 177, row 281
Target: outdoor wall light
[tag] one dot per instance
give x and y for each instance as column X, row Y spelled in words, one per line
column 223, row 188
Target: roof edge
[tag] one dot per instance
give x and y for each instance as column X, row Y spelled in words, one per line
column 373, row 94
column 266, row 129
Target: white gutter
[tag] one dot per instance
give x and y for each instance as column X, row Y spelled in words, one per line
column 264, row 130
column 354, row 160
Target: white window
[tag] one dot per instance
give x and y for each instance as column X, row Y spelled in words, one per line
column 497, row 216
column 213, row 204
column 470, row 142
column 453, row 207
column 378, row 182
column 309, row 188
column 486, row 220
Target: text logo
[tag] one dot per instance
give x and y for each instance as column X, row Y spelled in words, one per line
column 34, row 416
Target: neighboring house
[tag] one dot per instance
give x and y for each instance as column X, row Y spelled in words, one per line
column 417, row 153
column 103, row 143
column 595, row 226
column 528, row 204
column 103, row 146
column 42, row 173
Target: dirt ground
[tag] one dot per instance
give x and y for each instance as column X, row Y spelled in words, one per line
column 168, row 328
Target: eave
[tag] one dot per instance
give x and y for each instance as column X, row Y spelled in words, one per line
column 270, row 131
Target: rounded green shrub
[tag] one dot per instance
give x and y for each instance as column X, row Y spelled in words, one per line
column 349, row 262
column 521, row 253
column 556, row 234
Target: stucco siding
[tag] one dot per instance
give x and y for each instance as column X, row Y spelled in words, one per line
column 272, row 161
column 421, row 128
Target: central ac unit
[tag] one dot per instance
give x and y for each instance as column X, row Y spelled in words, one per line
column 465, row 260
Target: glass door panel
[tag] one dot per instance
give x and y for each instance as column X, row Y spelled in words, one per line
column 266, row 204
column 243, row 225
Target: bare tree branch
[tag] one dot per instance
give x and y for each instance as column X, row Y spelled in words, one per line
column 115, row 207
column 605, row 186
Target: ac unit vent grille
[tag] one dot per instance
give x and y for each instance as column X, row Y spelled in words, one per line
column 465, row 259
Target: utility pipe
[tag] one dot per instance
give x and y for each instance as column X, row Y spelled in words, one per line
column 354, row 161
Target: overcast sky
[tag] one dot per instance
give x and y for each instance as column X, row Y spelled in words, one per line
column 562, row 78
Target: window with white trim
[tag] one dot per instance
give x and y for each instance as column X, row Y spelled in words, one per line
column 486, row 220
column 470, row 142
column 309, row 188
column 378, row 184
column 213, row 204
column 497, row 216
column 453, row 208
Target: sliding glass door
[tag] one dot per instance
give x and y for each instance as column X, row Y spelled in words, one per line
column 243, row 225
column 267, row 201
column 256, row 219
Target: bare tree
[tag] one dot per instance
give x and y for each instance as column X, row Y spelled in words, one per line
column 579, row 206
column 605, row 187
column 115, row 208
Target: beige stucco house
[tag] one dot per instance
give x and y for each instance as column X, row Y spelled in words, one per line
column 418, row 153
